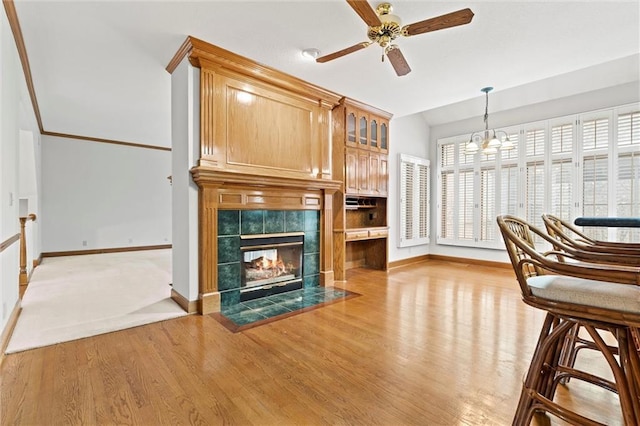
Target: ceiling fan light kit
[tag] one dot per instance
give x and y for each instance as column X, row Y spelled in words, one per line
column 385, row 27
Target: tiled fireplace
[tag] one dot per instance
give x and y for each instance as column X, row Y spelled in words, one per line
column 264, row 252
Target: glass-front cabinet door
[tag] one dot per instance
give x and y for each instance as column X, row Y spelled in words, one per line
column 351, row 137
column 364, row 127
column 384, row 135
column 373, row 134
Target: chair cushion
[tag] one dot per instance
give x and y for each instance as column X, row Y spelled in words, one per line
column 601, row 294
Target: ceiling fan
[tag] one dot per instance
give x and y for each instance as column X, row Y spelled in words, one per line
column 384, row 28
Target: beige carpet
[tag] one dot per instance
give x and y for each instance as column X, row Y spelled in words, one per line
column 73, row 297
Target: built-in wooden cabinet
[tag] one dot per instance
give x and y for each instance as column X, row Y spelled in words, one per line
column 360, row 160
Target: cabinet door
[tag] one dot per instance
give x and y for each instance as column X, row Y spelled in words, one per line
column 351, row 172
column 363, row 130
column 383, row 175
column 351, row 127
column 374, row 173
column 374, row 132
column 384, row 135
column 363, row 172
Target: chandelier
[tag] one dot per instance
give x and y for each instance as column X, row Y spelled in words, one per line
column 488, row 141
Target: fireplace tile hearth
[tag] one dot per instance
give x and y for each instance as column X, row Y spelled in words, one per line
column 261, row 311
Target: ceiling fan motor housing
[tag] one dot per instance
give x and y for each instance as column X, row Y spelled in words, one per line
column 390, row 29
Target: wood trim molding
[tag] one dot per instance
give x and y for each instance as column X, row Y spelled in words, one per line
column 182, row 52
column 478, row 262
column 197, row 49
column 204, row 175
column 361, row 105
column 6, row 243
column 12, row 16
column 424, row 257
column 189, row 306
column 408, row 261
column 8, row 329
column 104, row 250
column 100, row 140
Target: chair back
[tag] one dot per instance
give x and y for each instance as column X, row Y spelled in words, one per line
column 520, row 246
column 563, row 230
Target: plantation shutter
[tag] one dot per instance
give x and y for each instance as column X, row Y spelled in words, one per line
column 487, row 204
column 509, row 189
column 628, row 179
column 465, row 205
column 414, row 201
column 535, row 192
column 447, row 204
column 595, row 172
column 629, row 129
column 562, row 170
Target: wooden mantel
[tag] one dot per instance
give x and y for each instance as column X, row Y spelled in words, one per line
column 264, row 144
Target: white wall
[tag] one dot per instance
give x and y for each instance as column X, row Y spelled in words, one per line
column 408, row 135
column 14, row 120
column 98, row 195
column 603, row 98
column 185, row 136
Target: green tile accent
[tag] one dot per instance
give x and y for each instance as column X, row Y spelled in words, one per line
column 294, row 221
column 252, row 222
column 311, row 242
column 311, row 220
column 311, row 264
column 273, row 221
column 229, row 298
column 228, row 249
column 228, row 222
column 243, row 313
column 311, row 281
column 229, row 276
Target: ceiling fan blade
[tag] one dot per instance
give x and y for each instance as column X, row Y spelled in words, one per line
column 398, row 61
column 453, row 19
column 339, row 53
column 366, row 12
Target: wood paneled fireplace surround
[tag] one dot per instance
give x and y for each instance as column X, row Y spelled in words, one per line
column 265, row 145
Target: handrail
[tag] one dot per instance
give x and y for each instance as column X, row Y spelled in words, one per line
column 23, row 277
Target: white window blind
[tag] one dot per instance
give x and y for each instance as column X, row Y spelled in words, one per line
column 628, row 179
column 534, row 193
column 447, row 204
column 465, row 204
column 414, row 201
column 509, row 188
column 488, row 204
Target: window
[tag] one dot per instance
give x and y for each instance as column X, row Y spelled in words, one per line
column 414, row 201
column 580, row 165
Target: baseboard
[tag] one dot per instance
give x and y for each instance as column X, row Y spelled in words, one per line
column 37, row 261
column 408, row 261
column 104, row 250
column 424, row 257
column 478, row 262
column 189, row 306
column 8, row 330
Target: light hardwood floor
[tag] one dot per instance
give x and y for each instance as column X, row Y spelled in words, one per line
column 433, row 343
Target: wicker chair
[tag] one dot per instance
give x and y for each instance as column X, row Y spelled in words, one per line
column 595, row 297
column 566, row 232
column 586, row 249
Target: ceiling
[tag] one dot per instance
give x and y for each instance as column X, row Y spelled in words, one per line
column 99, row 67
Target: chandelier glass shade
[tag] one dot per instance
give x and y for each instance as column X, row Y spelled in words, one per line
column 488, row 141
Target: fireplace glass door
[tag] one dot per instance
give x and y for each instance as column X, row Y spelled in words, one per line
column 271, row 261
